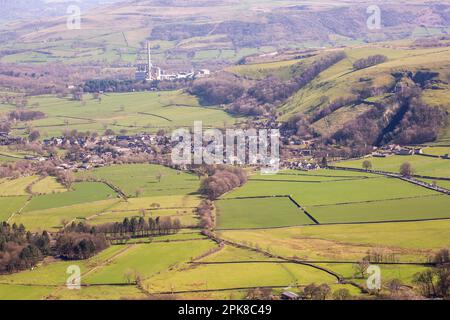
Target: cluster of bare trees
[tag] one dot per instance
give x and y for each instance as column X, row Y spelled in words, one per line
column 52, row 78
column 261, row 97
column 25, row 115
column 369, row 61
column 331, row 107
column 222, row 180
column 266, row 95
column 316, row 292
column 223, row 89
column 205, row 211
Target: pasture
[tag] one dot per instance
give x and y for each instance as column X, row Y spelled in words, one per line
column 259, row 213
column 16, row 187
column 331, row 191
column 82, row 192
column 54, row 273
column 145, row 180
column 425, row 166
column 10, row 205
column 235, row 276
column 52, row 219
column 47, row 185
column 409, row 241
column 146, row 260
column 421, row 208
column 132, row 112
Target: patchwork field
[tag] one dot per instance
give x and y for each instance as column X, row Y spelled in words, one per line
column 146, row 180
column 332, row 192
column 133, row 112
column 409, row 241
column 245, row 274
column 146, row 260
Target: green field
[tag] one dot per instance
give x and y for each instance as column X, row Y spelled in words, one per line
column 410, row 241
column 259, row 213
column 47, row 185
column 437, row 151
column 54, row 218
column 242, row 275
column 55, row 273
column 332, row 192
column 144, row 178
column 403, row 273
column 10, row 205
column 16, row 187
column 82, row 192
column 149, row 259
column 433, row 207
column 132, row 112
column 426, row 166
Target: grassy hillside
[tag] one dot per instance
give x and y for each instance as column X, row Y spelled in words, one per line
column 223, row 30
column 132, row 112
column 341, row 80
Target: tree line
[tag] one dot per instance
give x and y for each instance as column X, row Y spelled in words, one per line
column 131, row 227
column 369, row 61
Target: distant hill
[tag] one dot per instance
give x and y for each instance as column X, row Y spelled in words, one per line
column 211, row 33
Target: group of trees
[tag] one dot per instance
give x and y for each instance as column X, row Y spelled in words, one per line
column 79, row 245
column 263, row 96
column 204, row 211
column 316, row 292
column 369, row 61
column 52, row 78
column 331, row 107
column 223, row 89
column 435, row 283
column 221, row 180
column 25, row 115
column 267, row 94
column 19, row 249
column 127, row 85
